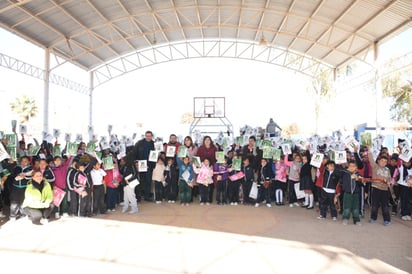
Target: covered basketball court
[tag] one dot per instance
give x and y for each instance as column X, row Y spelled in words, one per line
column 108, row 39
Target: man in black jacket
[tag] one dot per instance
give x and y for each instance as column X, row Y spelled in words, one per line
column 141, row 151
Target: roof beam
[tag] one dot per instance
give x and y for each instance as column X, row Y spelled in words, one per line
column 343, row 13
column 314, row 12
column 131, row 18
column 88, row 50
column 157, row 22
column 109, row 23
column 283, row 21
column 178, row 20
column 240, row 19
column 199, row 19
column 261, row 20
column 361, row 27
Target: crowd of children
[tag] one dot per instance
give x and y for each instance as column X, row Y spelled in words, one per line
column 243, row 177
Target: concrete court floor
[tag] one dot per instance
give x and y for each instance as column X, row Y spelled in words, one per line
column 169, row 238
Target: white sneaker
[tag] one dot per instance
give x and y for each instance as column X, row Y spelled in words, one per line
column 296, row 204
column 290, row 205
column 158, row 202
column 257, row 205
column 268, row 205
column 202, row 204
column 133, row 211
column 207, row 203
column 65, row 215
column 409, row 218
column 173, row 201
column 124, row 210
column 405, row 218
column 44, row 221
column 2, row 215
column 345, row 222
column 57, row 215
column 235, row 203
column 334, row 219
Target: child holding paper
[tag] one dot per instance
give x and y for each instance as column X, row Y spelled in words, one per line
column 130, row 177
column 247, row 181
column 204, row 179
column 235, row 179
column 306, row 183
column 280, row 180
column 158, row 178
column 221, row 170
column 265, row 177
column 185, row 180
column 293, row 173
column 97, row 175
column 172, row 177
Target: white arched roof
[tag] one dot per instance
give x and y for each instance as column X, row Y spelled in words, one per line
column 91, row 34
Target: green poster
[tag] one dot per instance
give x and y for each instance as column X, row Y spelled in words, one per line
column 182, row 152
column 72, row 149
column 91, row 147
column 12, row 152
column 267, row 152
column 57, row 151
column 239, row 140
column 237, row 164
column 33, row 150
column 108, row 162
column 220, row 157
column 366, row 138
column 196, row 161
column 11, row 139
column 265, row 143
column 277, row 153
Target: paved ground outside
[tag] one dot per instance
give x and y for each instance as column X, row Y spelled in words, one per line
column 169, row 238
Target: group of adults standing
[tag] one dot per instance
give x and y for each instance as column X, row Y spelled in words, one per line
column 207, row 150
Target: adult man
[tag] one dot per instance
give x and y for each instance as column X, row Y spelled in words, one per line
column 141, row 151
column 172, row 142
column 271, row 128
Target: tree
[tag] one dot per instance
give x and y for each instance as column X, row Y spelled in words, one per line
column 401, row 109
column 321, row 91
column 25, row 107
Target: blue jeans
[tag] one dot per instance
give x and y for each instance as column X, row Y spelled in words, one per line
column 111, row 198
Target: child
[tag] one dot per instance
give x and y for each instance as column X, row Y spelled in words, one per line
column 351, row 188
column 380, row 178
column 247, row 181
column 60, row 172
column 172, row 177
column 293, row 178
column 234, row 186
column 221, row 171
column 158, row 178
column 129, row 195
column 4, row 175
column 112, row 180
column 328, row 192
column 97, row 175
column 265, row 176
column 185, row 180
column 204, row 179
column 306, row 183
column 21, row 174
column 280, row 180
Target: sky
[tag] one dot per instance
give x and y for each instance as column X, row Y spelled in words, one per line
column 156, row 97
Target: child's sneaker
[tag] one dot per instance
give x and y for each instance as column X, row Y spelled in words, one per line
column 358, row 223
column 372, row 221
column 268, row 205
column 345, row 222
column 57, row 215
column 321, row 217
column 334, row 219
column 257, row 205
column 386, row 223
column 290, row 205
column 158, row 202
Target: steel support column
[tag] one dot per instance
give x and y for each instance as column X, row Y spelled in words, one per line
column 46, row 91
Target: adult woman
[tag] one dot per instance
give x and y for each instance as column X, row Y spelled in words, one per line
column 38, row 198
